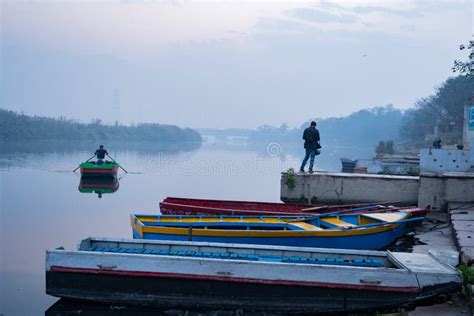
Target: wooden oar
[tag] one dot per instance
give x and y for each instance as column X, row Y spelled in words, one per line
column 316, row 208
column 86, row 161
column 117, row 163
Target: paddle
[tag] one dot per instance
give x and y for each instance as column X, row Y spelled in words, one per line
column 117, row 163
column 316, row 208
column 86, row 161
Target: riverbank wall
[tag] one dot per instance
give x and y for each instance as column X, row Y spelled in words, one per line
column 435, row 189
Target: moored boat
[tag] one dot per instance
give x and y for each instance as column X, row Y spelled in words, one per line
column 254, row 278
column 92, row 169
column 187, row 206
column 347, row 231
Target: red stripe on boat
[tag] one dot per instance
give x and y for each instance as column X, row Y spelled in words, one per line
column 99, row 170
column 234, row 279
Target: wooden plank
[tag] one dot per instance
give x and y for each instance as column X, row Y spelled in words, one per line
column 337, row 222
column 305, row 226
column 386, row 217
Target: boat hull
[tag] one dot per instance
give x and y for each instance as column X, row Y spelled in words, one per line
column 180, row 291
column 185, row 206
column 99, row 172
column 370, row 241
column 173, row 274
column 106, row 169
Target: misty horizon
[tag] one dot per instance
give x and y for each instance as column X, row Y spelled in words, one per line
column 133, row 123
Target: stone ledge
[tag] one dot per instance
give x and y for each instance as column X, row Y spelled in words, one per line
column 465, row 239
column 353, row 175
column 462, row 220
column 462, row 216
column 467, row 255
column 447, row 174
column 463, row 226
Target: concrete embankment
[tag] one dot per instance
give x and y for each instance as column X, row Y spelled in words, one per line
column 345, row 188
column 435, row 189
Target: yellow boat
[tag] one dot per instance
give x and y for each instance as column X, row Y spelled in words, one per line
column 348, row 231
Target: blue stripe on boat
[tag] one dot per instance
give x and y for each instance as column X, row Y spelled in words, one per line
column 244, row 256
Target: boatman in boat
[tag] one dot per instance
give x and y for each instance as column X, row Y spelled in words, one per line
column 100, row 153
column 311, row 145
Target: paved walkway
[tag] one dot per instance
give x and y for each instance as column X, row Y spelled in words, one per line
column 462, row 220
column 435, row 235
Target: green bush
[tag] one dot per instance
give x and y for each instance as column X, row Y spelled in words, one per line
column 290, row 178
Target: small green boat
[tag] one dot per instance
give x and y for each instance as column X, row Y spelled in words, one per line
column 92, row 169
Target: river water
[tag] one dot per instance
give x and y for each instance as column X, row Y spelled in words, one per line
column 41, row 206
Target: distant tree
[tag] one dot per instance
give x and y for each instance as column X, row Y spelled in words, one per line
column 364, row 127
column 389, row 147
column 465, row 67
column 380, row 149
column 442, row 111
column 283, row 128
column 15, row 126
column 385, row 148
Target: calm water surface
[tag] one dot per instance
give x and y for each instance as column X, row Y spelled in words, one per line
column 41, row 206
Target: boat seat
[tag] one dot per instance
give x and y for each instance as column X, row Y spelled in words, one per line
column 270, row 259
column 303, row 226
column 386, row 217
column 334, row 221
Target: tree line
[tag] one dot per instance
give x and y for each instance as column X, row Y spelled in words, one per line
column 364, row 127
column 439, row 116
column 17, row 126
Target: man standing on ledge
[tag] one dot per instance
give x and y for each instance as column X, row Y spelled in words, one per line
column 311, row 144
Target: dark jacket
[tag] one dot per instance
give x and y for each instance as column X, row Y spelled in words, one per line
column 311, row 138
column 100, row 153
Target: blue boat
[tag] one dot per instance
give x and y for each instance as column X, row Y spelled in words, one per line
column 371, row 231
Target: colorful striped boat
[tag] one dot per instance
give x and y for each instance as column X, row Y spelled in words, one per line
column 91, row 169
column 348, row 231
column 187, row 206
column 192, row 275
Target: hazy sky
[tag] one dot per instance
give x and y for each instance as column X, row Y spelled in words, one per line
column 225, row 64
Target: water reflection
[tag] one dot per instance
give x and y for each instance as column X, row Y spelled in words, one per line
column 65, row 307
column 20, row 153
column 52, row 146
column 99, row 185
column 39, row 190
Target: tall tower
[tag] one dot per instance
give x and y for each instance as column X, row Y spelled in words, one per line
column 116, row 106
